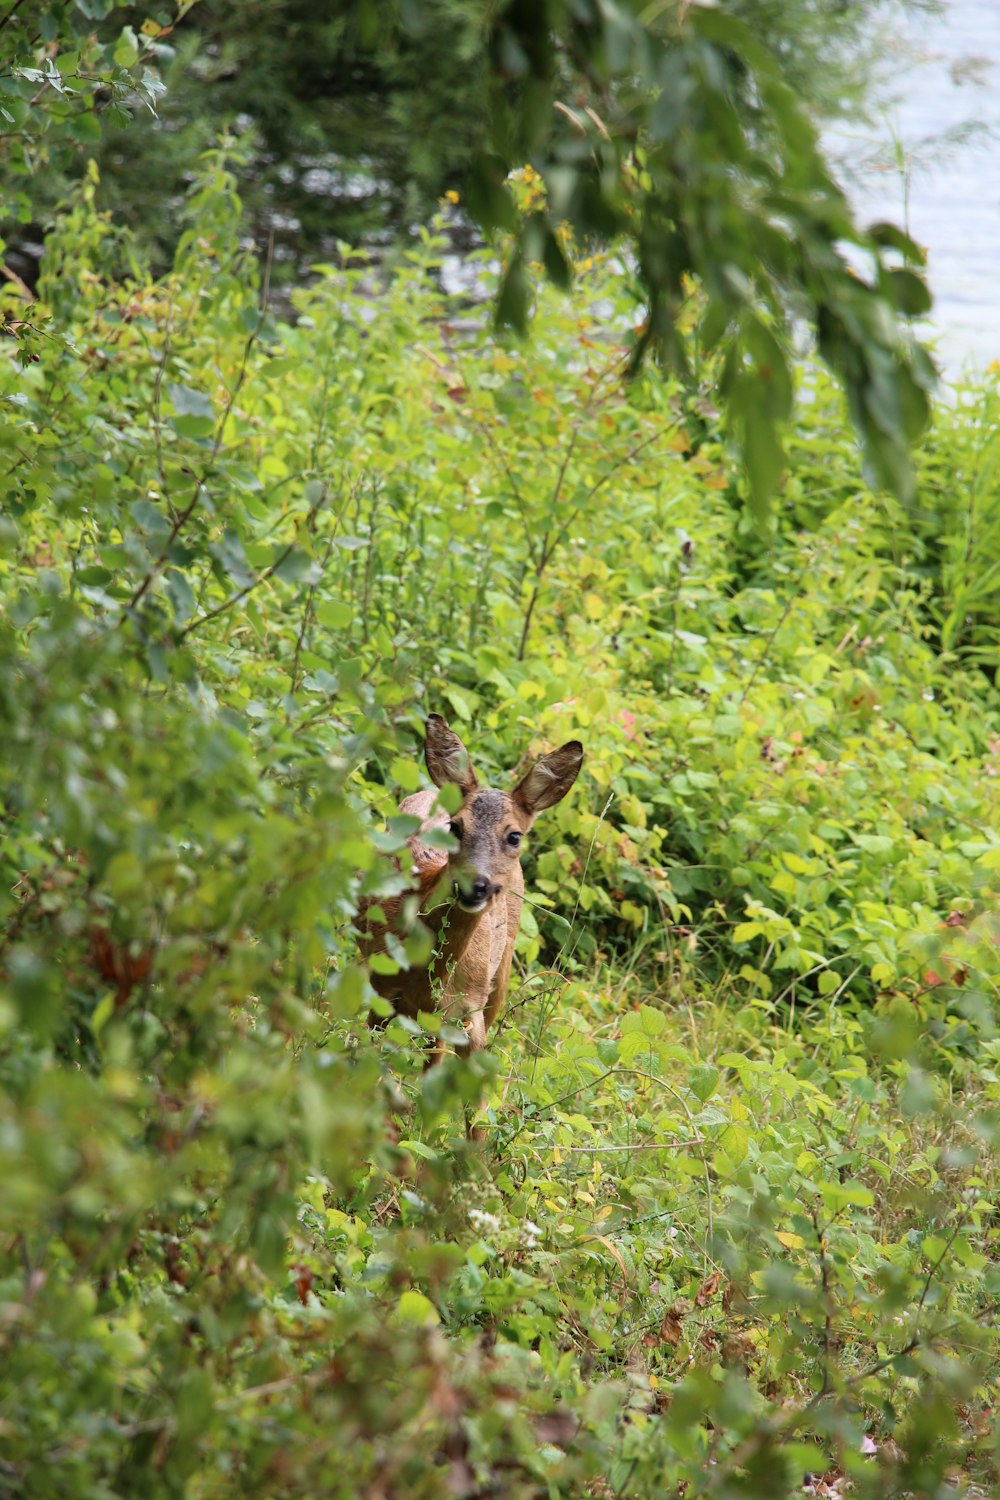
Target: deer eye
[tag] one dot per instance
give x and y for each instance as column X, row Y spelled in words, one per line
column 455, row 829
column 514, row 838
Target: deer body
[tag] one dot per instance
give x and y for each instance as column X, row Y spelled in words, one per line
column 469, row 899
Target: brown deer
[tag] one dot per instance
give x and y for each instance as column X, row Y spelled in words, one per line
column 470, row 899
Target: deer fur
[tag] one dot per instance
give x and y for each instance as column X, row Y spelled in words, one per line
column 470, row 899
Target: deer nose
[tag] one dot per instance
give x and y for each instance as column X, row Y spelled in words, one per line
column 483, row 888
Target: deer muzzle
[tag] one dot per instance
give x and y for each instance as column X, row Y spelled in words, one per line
column 473, row 890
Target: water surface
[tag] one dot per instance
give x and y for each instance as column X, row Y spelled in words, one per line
column 936, row 164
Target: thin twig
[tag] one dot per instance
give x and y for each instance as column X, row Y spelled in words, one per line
column 262, row 577
column 824, row 1274
column 769, row 642
column 157, row 399
column 307, row 612
column 583, row 877
column 11, row 13
column 11, row 275
column 670, row 1144
column 154, row 571
column 933, row 1272
column 185, row 515
column 486, row 431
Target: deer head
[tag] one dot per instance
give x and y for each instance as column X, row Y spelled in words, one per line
column 490, row 825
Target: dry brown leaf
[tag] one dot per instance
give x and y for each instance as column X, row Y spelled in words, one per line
column 671, row 1329
column 708, row 1289
column 558, row 1427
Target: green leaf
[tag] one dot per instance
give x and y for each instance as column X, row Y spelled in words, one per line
column 909, row 292
column 127, row 48
column 334, row 613
column 294, row 566
column 514, row 296
column 735, row 1143
column 414, row 1307
column 462, row 701
column 381, row 963
column 187, row 402
column 406, row 773
column 703, row 1080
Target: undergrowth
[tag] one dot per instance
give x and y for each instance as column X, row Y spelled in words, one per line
column 735, row 1218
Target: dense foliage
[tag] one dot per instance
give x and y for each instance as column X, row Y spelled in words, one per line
column 346, row 141
column 735, row 1217
column 674, row 129
column 733, row 1221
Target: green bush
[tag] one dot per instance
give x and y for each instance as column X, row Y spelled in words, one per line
column 737, row 1209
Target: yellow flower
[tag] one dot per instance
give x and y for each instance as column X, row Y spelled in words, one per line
column 451, row 196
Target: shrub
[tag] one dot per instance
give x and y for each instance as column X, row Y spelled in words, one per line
column 738, row 1204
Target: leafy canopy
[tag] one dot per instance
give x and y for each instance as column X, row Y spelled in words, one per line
column 674, row 129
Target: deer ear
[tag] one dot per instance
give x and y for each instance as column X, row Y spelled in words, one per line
column 549, row 779
column 446, row 757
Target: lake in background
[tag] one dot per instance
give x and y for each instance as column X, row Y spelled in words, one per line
column 946, row 124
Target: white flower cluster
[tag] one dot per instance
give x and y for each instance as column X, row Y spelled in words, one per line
column 531, row 1235
column 484, row 1222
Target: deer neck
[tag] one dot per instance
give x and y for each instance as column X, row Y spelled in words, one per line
column 452, row 926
